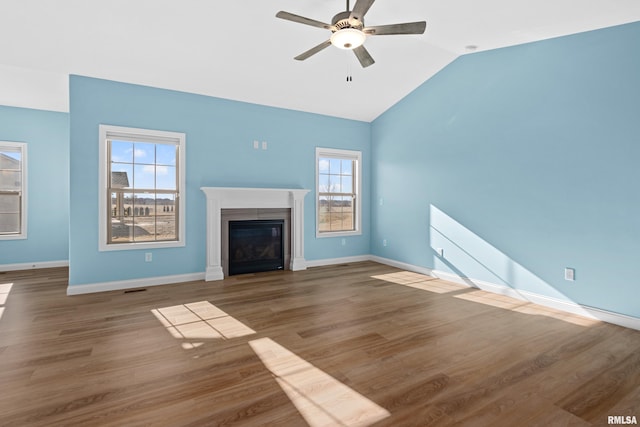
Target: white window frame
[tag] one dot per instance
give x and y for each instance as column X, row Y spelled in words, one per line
column 143, row 135
column 357, row 174
column 22, row 147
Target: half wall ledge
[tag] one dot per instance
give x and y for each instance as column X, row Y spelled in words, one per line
column 219, row 198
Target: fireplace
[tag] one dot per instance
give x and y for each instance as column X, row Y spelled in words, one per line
column 221, row 200
column 256, row 246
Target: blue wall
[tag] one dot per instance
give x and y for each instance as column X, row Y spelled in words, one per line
column 519, row 162
column 47, row 136
column 220, row 135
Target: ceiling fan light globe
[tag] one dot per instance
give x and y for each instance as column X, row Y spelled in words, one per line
column 348, row 38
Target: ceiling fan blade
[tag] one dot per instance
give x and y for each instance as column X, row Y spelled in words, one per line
column 313, row 50
column 360, row 9
column 302, row 20
column 363, row 56
column 406, row 28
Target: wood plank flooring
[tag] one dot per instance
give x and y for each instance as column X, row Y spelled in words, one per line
column 359, row 344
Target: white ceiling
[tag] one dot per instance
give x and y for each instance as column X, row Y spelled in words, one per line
column 239, row 50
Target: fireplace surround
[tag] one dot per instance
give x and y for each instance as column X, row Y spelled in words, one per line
column 237, row 198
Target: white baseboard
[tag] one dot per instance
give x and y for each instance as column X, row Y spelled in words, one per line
column 403, row 265
column 133, row 283
column 32, row 265
column 166, row 280
column 543, row 300
column 335, row 261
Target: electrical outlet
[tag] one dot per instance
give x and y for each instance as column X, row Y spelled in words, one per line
column 384, row 242
column 264, row 145
column 570, row 274
column 344, row 242
column 256, row 145
column 148, row 257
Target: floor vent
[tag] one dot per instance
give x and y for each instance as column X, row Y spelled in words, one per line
column 130, row 291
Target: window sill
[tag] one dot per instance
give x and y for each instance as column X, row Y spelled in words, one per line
column 139, row 246
column 324, row 234
column 13, row 237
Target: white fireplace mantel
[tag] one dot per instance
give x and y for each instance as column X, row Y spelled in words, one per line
column 219, row 198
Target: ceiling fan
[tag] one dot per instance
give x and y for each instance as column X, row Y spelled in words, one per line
column 348, row 31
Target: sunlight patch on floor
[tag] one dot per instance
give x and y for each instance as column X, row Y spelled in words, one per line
column 419, row 281
column 321, row 399
column 200, row 321
column 556, row 314
column 524, row 307
column 5, row 288
column 494, row 300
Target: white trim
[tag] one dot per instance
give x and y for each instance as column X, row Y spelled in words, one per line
column 543, row 300
column 133, row 283
column 33, row 265
column 336, row 261
column 134, row 134
column 326, row 234
column 402, row 265
column 341, row 154
column 24, row 191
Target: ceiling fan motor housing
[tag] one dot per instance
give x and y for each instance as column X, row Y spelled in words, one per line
column 341, row 21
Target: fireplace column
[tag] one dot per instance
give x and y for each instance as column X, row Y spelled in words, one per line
column 214, row 244
column 297, row 233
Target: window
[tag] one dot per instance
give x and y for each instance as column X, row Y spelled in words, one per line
column 13, row 190
column 338, row 183
column 142, row 188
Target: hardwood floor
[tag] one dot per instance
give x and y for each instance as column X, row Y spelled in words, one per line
column 359, row 344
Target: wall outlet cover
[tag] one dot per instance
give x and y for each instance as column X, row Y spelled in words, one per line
column 569, row 274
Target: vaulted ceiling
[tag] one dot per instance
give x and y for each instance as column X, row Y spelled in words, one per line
column 239, row 50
